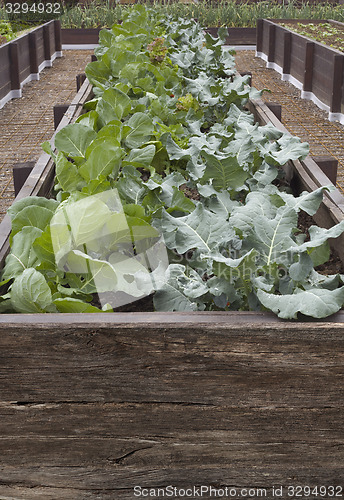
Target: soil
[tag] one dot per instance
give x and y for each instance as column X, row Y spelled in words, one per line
column 334, row 265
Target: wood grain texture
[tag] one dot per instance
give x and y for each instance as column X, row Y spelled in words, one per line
column 91, row 410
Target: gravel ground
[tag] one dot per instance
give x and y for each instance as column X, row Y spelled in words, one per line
column 27, row 122
column 302, row 118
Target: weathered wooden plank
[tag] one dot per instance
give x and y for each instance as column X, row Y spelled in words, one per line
column 90, row 408
column 111, row 448
column 14, row 58
column 104, row 486
column 272, row 43
column 282, row 364
column 308, row 70
column 337, row 84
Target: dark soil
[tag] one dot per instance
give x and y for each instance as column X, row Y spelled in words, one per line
column 334, row 265
column 191, row 193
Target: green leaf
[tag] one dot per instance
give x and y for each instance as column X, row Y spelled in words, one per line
column 291, row 148
column 140, row 157
column 180, row 202
column 31, row 211
column 89, row 119
column 308, row 202
column 103, row 159
column 130, row 187
column 67, row 174
column 43, row 248
column 98, row 73
column 299, row 271
column 318, row 236
column 22, row 254
column 114, row 105
column 83, row 222
column 141, row 129
column 126, row 268
column 36, row 201
column 74, row 139
column 30, row 293
column 317, row 302
column 180, row 292
column 70, row 305
column 226, row 173
column 201, row 229
column 100, row 276
column 133, row 210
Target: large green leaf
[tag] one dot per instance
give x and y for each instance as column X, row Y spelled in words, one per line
column 74, row 139
column 201, row 229
column 31, row 211
column 100, row 276
column 165, row 192
column 226, row 173
column 140, row 157
column 43, row 248
column 71, row 305
column 37, row 201
column 290, row 148
column 181, row 292
column 103, row 159
column 68, row 175
column 22, row 254
column 98, row 73
column 317, row 303
column 30, row 293
column 140, row 131
column 130, row 187
column 114, row 105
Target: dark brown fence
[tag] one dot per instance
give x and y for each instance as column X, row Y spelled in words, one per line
column 23, row 59
column 316, row 69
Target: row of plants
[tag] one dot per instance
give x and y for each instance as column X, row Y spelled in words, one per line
column 209, row 14
column 167, row 186
column 6, row 32
column 104, row 13
column 11, row 30
column 326, row 33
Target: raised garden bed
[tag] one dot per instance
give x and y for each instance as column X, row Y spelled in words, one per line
column 24, row 58
column 309, row 176
column 317, row 70
column 94, row 405
column 331, row 34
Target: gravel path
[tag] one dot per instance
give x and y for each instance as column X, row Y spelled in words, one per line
column 302, row 118
column 27, row 122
